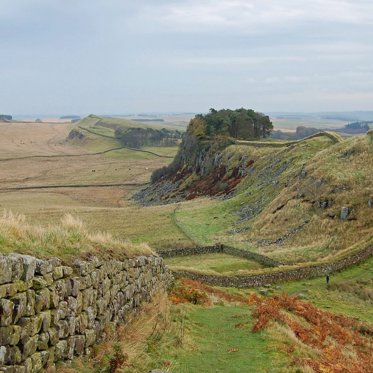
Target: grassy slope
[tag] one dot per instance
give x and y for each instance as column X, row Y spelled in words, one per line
column 101, row 209
column 282, row 201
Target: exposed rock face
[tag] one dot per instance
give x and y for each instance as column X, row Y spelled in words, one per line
column 50, row 312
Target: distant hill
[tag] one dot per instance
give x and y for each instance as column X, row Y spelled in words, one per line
column 126, row 132
column 70, row 117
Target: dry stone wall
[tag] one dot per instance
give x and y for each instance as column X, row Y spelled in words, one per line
column 50, row 312
column 278, row 274
column 219, row 248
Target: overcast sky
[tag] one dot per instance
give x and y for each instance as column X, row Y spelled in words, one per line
column 119, row 56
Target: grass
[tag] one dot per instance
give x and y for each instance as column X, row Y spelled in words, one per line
column 201, row 221
column 339, row 298
column 66, row 240
column 223, row 347
column 186, row 339
column 101, row 209
column 217, row 262
column 282, row 200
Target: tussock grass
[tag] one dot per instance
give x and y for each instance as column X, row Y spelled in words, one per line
column 67, row 240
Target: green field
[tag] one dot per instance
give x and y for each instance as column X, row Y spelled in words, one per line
column 217, row 262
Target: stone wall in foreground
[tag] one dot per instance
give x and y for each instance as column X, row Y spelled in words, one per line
column 50, row 312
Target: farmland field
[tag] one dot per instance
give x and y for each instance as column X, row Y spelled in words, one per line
column 44, row 176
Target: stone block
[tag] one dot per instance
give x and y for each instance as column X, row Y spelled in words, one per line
column 10, row 335
column 39, row 283
column 75, row 286
column 61, row 350
column 30, row 347
column 13, row 355
column 42, row 300
column 90, row 337
column 72, row 305
column 37, row 362
column 43, row 267
column 53, row 336
column 29, row 266
column 67, row 271
column 5, row 269
column 345, row 211
column 30, row 307
column 47, row 320
column 6, row 312
column 28, row 365
column 44, row 357
column 70, row 348
column 63, row 329
column 3, row 352
column 57, row 273
column 79, row 344
column 43, row 341
column 30, row 326
column 48, row 278
column 83, row 268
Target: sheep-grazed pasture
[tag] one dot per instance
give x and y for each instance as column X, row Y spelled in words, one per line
column 44, row 176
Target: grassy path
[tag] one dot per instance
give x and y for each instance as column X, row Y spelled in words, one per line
column 222, row 346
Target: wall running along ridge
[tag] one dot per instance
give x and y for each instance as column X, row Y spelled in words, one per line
column 278, row 275
column 50, row 312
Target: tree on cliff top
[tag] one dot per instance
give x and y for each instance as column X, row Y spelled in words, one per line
column 241, row 123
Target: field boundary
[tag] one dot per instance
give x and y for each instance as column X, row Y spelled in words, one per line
column 127, row 147
column 219, row 248
column 331, row 135
column 71, row 186
column 281, row 274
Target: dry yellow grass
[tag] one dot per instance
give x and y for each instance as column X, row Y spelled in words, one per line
column 67, row 240
column 100, row 208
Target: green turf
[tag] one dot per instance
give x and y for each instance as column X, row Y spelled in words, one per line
column 220, row 346
column 350, row 302
column 217, row 262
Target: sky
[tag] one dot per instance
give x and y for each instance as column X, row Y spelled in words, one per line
column 117, row 56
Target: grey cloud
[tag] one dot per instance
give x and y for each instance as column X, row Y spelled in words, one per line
column 115, row 56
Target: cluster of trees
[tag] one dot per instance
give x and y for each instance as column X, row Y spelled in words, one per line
column 4, row 117
column 241, row 123
column 358, row 126
column 139, row 137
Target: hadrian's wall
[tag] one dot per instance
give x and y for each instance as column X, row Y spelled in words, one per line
column 50, row 312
